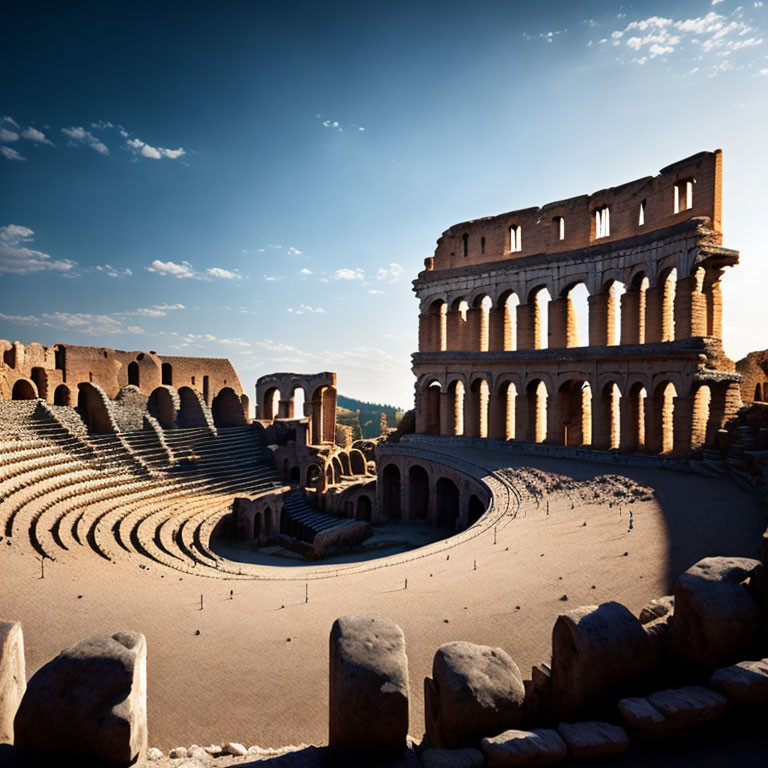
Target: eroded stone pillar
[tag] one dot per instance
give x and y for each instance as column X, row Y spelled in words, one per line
column 473, row 341
column 527, row 322
column 523, row 432
column 633, row 316
column 654, row 299
column 497, row 416
column 713, row 296
column 682, row 425
column 601, row 321
column 455, row 324
column 425, row 333
column 690, row 309
column 554, row 419
column 446, row 413
column 498, row 330
column 601, row 420
column 558, row 323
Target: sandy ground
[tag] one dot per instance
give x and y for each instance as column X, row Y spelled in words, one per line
column 257, row 672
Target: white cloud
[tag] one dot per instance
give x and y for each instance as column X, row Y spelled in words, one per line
column 11, row 154
column 305, row 271
column 111, row 271
column 236, row 342
column 391, row 274
column 8, row 119
column 335, row 125
column 349, row 274
column 156, row 310
column 32, row 134
column 78, row 135
column 717, row 2
column 304, row 309
column 273, row 278
column 101, row 125
column 81, row 322
column 291, row 251
column 224, row 274
column 139, row 147
column 17, row 259
column 185, row 270
column 172, row 269
column 764, row 71
column 713, row 33
column 376, row 292
column 7, row 135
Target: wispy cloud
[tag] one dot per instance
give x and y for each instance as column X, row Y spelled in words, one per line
column 335, row 125
column 305, row 271
column 547, row 37
column 8, row 135
column 80, row 322
column 141, row 149
column 78, row 135
column 156, row 310
column 18, row 259
column 186, row 271
column 273, row 278
column 693, row 39
column 391, row 274
column 8, row 119
column 38, row 137
column 305, row 309
column 11, row 154
column 111, row 271
column 345, row 273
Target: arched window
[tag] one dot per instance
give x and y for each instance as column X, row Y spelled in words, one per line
column 133, row 373
column 167, row 374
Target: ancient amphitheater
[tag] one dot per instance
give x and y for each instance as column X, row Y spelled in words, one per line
column 553, row 486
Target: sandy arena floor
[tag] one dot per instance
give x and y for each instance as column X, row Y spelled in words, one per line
column 257, row 672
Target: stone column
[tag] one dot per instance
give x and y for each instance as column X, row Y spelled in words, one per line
column 690, row 309
column 682, row 425
column 497, row 416
column 654, row 413
column 454, row 330
column 558, row 323
column 726, row 400
column 425, row 333
column 601, row 420
column 629, row 423
column 421, row 414
column 527, row 317
column 713, row 296
column 446, row 413
column 473, row 330
column 285, row 409
column 601, row 321
column 554, row 420
column 471, row 414
column 633, row 316
column 522, row 419
column 498, row 331
column 654, row 299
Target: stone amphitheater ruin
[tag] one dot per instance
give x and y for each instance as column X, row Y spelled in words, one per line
column 586, row 503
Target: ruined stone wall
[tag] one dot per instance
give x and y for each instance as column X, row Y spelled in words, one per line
column 754, row 376
column 636, row 379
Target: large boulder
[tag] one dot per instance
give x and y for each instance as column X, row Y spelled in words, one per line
column 13, row 677
column 368, row 685
column 745, row 685
column 475, row 691
column 599, row 653
column 89, row 703
column 716, row 620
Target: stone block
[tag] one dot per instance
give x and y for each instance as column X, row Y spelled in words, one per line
column 89, row 703
column 716, row 619
column 13, row 677
column 644, row 721
column 475, row 691
column 657, row 608
column 593, row 740
column 368, row 685
column 690, row 706
column 745, row 684
column 540, row 746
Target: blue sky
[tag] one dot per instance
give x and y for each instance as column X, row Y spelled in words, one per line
column 262, row 181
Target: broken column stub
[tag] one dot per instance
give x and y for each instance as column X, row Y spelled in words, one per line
column 89, row 703
column 369, row 692
column 475, row 691
column 13, row 678
column 717, row 621
column 598, row 654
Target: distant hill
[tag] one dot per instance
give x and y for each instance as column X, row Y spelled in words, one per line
column 365, row 418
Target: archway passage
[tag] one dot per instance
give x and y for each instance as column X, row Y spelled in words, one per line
column 161, row 405
column 475, row 510
column 476, row 415
column 23, row 390
column 133, row 374
column 270, row 405
column 323, row 409
column 364, row 509
column 191, row 412
column 227, row 409
column 576, row 413
column 391, row 492
column 40, row 380
column 418, row 493
column 455, row 424
column 633, row 419
column 447, row 508
column 62, row 395
column 167, row 374
column 433, row 409
column 660, row 437
column 536, row 396
column 92, row 406
column 314, row 477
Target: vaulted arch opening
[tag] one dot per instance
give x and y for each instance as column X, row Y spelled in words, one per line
column 133, row 373
column 502, row 323
column 476, row 416
column 456, row 408
column 23, row 390
column 447, row 504
column 418, row 493
column 575, row 403
column 62, row 395
column 433, row 396
column 390, row 496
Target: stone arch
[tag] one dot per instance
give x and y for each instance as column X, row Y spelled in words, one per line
column 477, row 329
column 40, row 379
column 456, row 324
column 357, row 463
column 606, row 417
column 475, row 510
column 391, row 492
column 62, row 395
column 502, row 322
column 418, row 492
column 633, row 308
column 569, row 318
column 476, row 411
column 633, row 417
column 364, row 510
column 533, row 331
column 166, row 374
column 660, row 419
column 93, row 407
column 133, row 374
column 605, row 326
column 227, row 409
column 23, row 389
column 313, row 474
column 163, row 404
column 338, row 470
column 270, row 404
column 536, row 411
column 575, row 413
column 298, row 399
column 436, row 330
column 344, row 459
column 191, row 413
column 432, row 395
column 447, row 504
column 700, row 415
column 323, row 407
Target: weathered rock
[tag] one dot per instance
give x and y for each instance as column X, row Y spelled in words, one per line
column 744, row 684
column 89, row 702
column 540, row 746
column 178, row 752
column 644, row 721
column 368, row 685
column 538, row 695
column 661, row 606
column 452, row 758
column 598, row 654
column 233, row 748
column 593, row 740
column 689, row 706
column 716, row 620
column 153, row 753
column 475, row 691
column 13, row 677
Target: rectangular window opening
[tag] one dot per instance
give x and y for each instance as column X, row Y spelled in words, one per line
column 602, row 222
column 515, row 238
column 641, row 217
column 560, row 227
